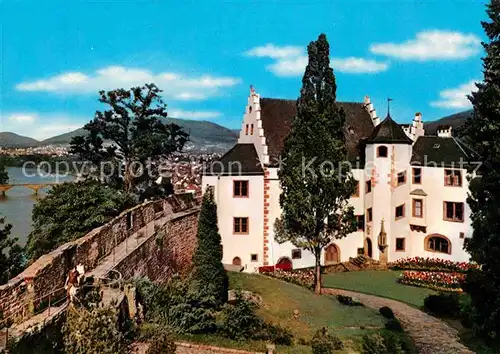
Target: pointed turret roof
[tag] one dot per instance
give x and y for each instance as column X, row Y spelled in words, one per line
column 388, row 132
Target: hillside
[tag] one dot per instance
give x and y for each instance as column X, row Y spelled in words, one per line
column 203, row 134
column 456, row 121
column 63, row 139
column 14, row 140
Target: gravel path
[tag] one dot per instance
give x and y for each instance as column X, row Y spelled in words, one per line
column 430, row 335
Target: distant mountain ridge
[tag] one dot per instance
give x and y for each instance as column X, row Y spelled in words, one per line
column 8, row 139
column 456, row 121
column 203, row 134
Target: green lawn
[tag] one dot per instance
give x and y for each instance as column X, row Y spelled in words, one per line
column 380, row 283
column 280, row 299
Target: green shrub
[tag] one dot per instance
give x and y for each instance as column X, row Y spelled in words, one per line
column 394, row 325
column 467, row 312
column 324, row 343
column 162, row 344
column 443, row 305
column 386, row 343
column 174, row 306
column 276, row 334
column 386, row 312
column 347, row 300
column 93, row 331
column 240, row 322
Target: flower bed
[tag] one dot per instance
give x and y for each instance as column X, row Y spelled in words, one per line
column 302, row 277
column 432, row 264
column 441, row 281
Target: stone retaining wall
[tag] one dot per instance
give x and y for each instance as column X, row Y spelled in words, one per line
column 167, row 252
column 47, row 275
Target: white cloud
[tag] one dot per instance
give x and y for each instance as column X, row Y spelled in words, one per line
column 193, row 114
column 456, row 97
column 358, row 65
column 22, row 118
column 431, row 45
column 40, row 126
column 174, row 85
column 292, row 61
column 272, row 51
column 289, row 67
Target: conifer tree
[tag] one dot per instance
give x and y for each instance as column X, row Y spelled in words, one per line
column 4, row 175
column 315, row 177
column 483, row 133
column 209, row 282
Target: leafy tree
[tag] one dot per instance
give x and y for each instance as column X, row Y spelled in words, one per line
column 4, row 175
column 209, row 280
column 93, row 330
column 483, row 133
column 12, row 259
column 69, row 211
column 133, row 125
column 315, row 180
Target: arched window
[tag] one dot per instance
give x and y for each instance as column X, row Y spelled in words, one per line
column 382, row 151
column 237, row 261
column 437, row 243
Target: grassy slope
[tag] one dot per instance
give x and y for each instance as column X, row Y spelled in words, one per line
column 378, row 283
column 280, row 299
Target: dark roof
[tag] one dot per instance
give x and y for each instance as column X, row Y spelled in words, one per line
column 243, row 155
column 440, row 152
column 277, row 115
column 389, row 132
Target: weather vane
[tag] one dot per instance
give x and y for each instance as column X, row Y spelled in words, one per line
column 389, row 106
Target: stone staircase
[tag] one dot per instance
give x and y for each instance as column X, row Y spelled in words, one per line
column 358, row 263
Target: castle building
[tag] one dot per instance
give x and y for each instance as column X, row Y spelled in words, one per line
column 410, row 199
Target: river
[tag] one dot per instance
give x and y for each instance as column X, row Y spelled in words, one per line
column 17, row 205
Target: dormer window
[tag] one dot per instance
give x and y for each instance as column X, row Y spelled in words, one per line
column 382, row 151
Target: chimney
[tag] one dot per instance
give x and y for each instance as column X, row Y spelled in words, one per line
column 371, row 111
column 417, row 128
column 444, row 131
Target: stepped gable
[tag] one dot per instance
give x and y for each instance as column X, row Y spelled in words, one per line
column 440, row 152
column 277, row 115
column 389, row 132
column 243, row 155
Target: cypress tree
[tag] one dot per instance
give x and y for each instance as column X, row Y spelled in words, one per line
column 315, row 178
column 209, row 282
column 4, row 175
column 483, row 132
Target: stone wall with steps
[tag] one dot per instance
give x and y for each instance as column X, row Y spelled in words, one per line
column 20, row 297
column 355, row 264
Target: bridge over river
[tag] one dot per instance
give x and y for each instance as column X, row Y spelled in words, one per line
column 33, row 186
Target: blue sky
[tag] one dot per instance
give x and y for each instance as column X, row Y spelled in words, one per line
column 56, row 55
